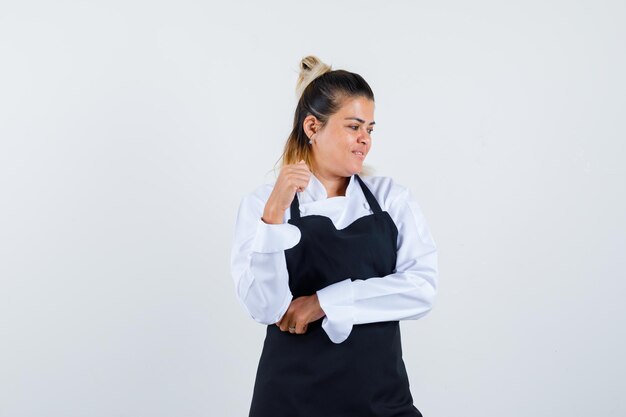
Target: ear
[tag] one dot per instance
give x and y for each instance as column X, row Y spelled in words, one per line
column 310, row 125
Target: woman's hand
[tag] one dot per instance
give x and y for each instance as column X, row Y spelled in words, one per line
column 301, row 312
column 292, row 178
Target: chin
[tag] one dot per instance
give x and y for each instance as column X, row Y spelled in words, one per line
column 355, row 170
column 351, row 169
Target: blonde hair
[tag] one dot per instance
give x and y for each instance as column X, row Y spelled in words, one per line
column 311, row 67
column 320, row 91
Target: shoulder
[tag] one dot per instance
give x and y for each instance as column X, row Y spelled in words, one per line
column 386, row 190
column 257, row 197
column 400, row 203
column 262, row 192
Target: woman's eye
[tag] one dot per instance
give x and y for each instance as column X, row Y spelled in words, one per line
column 357, row 128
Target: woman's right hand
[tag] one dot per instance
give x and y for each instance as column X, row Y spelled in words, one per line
column 292, row 178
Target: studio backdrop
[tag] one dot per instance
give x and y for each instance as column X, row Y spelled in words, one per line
column 130, row 131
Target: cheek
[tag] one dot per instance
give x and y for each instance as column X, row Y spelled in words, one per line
column 334, row 147
column 330, row 151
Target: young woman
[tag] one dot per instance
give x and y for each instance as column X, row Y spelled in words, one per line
column 331, row 261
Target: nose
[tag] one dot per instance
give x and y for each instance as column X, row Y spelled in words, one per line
column 364, row 138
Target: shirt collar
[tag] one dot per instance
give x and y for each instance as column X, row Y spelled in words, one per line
column 316, row 190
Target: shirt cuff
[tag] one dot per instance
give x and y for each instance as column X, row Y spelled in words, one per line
column 337, row 301
column 275, row 237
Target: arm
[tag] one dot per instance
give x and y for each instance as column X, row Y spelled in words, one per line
column 258, row 260
column 406, row 294
column 258, row 263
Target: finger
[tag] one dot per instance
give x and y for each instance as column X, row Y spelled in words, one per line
column 301, row 328
column 299, row 180
column 293, row 178
column 293, row 328
column 296, row 168
column 297, row 174
column 284, row 322
column 300, row 185
column 303, row 177
column 283, row 326
column 301, row 169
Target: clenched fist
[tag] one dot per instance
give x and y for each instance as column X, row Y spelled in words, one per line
column 292, row 178
column 302, row 311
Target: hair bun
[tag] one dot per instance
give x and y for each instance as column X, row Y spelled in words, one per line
column 311, row 67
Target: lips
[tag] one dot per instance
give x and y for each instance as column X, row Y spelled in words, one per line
column 359, row 154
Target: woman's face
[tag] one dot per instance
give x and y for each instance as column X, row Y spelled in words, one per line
column 340, row 147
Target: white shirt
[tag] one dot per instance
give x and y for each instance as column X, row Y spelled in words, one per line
column 259, row 267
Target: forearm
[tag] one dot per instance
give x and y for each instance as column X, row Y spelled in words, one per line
column 263, row 288
column 402, row 296
column 406, row 295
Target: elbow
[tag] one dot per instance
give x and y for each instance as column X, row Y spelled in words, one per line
column 429, row 296
column 264, row 316
column 263, row 313
column 425, row 295
column 265, row 310
column 263, row 319
column 425, row 307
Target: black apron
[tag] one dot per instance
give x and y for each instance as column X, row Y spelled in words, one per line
column 307, row 375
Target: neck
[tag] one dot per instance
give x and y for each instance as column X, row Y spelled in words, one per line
column 335, row 185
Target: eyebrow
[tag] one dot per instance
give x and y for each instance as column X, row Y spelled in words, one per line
column 360, row 120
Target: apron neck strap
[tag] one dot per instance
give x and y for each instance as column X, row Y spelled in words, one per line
column 295, row 207
column 371, row 200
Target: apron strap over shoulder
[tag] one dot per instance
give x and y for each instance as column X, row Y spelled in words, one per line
column 371, row 200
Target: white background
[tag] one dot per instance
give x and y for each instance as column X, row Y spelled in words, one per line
column 130, row 130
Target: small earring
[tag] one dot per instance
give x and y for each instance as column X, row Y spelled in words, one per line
column 310, row 143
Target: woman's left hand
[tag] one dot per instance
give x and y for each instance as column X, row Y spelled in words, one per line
column 302, row 311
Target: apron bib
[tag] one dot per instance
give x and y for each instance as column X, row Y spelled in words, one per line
column 307, row 375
